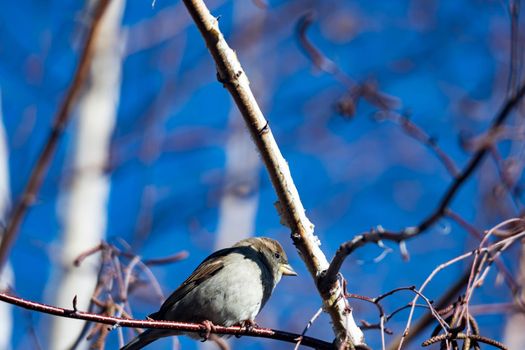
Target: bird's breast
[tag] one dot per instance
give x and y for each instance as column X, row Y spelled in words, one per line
column 234, row 294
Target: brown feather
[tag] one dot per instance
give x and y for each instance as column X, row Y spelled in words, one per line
column 205, row 270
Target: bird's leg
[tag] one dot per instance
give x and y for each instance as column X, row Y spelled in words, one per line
column 248, row 325
column 210, row 327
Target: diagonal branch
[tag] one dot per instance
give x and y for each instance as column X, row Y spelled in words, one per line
column 231, row 74
column 62, row 117
column 170, row 325
column 378, row 235
column 472, row 165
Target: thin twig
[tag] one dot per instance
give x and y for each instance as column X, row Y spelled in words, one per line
column 472, row 165
column 427, row 319
column 513, row 78
column 492, row 250
column 417, row 133
column 308, row 325
column 378, row 235
column 166, row 260
column 475, row 337
column 367, row 90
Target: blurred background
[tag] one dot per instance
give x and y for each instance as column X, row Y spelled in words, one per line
column 156, row 159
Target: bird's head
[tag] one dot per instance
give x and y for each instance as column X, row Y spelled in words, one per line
column 274, row 254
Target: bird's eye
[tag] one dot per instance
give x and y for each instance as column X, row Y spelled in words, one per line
column 277, row 255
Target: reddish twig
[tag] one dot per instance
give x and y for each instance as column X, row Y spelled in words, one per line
column 116, row 251
column 475, row 337
column 509, row 279
column 318, row 59
column 367, row 90
column 378, row 235
column 168, row 325
column 60, row 122
column 166, row 260
column 514, row 12
column 111, row 300
column 308, row 325
column 472, row 165
column 427, row 319
column 509, row 179
column 100, row 247
column 498, row 308
column 384, row 318
column 417, row 133
column 475, row 277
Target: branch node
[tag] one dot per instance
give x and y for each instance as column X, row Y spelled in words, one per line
column 265, row 129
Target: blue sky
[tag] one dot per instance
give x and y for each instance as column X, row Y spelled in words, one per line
column 446, row 62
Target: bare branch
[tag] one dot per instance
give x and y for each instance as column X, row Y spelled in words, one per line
column 318, row 59
column 231, row 74
column 427, row 319
column 490, row 251
column 378, row 235
column 475, row 337
column 367, row 90
column 417, row 133
column 308, row 325
column 166, row 260
column 472, row 165
column 169, row 325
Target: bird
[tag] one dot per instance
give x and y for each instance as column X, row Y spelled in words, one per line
column 228, row 288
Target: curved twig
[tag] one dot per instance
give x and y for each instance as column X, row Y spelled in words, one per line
column 378, row 235
column 477, row 338
column 492, row 250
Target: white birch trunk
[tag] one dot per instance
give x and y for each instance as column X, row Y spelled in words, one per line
column 7, row 277
column 83, row 209
column 514, row 336
column 239, row 202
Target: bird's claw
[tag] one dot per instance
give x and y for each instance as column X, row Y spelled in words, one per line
column 249, row 325
column 209, row 328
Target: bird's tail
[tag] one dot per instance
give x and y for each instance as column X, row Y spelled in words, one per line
column 144, row 338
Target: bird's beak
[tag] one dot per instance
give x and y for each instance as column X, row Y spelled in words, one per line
column 287, row 270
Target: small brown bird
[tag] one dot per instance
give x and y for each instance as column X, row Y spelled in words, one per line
column 228, row 288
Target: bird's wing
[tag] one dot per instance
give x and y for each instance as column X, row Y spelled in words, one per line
column 209, row 267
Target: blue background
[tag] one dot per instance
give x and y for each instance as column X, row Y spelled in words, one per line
column 446, row 62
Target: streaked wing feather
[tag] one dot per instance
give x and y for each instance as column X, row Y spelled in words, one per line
column 209, row 267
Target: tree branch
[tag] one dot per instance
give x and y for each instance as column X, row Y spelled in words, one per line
column 475, row 161
column 60, row 122
column 378, row 235
column 180, row 326
column 231, row 74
